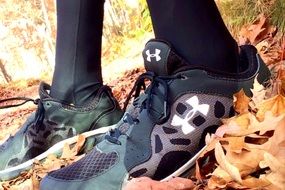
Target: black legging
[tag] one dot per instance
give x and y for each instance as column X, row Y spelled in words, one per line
column 77, row 73
column 196, row 30
column 194, row 27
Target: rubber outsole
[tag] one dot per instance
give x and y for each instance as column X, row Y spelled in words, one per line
column 13, row 172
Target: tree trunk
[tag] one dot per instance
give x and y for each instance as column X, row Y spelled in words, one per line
column 4, row 72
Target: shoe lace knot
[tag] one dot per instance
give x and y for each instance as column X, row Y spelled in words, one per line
column 158, row 88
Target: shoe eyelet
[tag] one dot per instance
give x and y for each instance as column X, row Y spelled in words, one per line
column 125, row 119
column 136, row 121
column 48, row 104
column 183, row 77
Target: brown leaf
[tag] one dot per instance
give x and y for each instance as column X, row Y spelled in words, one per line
column 247, row 161
column 241, row 102
column 68, row 152
column 219, row 179
column 257, row 31
column 145, row 183
column 277, row 174
column 255, row 183
column 201, row 169
column 283, row 48
column 258, row 94
column 280, row 80
column 274, row 145
column 276, row 105
column 235, row 126
column 225, row 164
column 35, row 182
column 268, row 124
column 243, row 157
column 235, row 144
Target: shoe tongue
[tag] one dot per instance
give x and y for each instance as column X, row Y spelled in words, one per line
column 160, row 59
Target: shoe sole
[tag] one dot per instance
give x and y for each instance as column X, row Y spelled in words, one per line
column 13, row 172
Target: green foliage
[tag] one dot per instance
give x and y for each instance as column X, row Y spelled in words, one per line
column 237, row 13
column 278, row 14
column 122, row 24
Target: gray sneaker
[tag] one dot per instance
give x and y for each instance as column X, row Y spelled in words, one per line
column 162, row 132
column 53, row 122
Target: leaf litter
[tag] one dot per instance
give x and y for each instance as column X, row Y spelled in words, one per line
column 246, row 152
column 30, row 180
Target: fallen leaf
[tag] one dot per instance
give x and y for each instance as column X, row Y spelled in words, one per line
column 219, row 179
column 145, row 183
column 235, row 144
column 258, row 94
column 256, row 32
column 255, row 183
column 247, row 161
column 277, row 174
column 72, row 152
column 241, row 102
column 282, row 41
column 276, row 105
column 274, row 145
column 225, row 164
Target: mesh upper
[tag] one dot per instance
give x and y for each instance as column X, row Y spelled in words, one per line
column 91, row 165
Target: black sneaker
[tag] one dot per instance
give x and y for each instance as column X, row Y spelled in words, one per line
column 161, row 134
column 54, row 122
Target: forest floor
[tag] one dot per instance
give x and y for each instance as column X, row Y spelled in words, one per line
column 121, row 75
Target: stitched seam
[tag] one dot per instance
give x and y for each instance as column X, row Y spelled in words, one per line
column 75, row 53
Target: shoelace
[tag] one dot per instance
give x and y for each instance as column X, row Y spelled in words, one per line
column 155, row 80
column 39, row 117
column 24, row 99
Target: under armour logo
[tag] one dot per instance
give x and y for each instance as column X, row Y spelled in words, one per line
column 156, row 55
column 184, row 122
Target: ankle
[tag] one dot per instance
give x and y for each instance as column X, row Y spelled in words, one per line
column 79, row 96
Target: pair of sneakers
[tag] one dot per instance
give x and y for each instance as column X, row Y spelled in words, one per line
column 159, row 135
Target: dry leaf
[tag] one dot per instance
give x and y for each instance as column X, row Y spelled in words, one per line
column 72, row 152
column 277, row 174
column 255, row 183
column 236, row 126
column 241, row 102
column 235, row 144
column 268, row 124
column 145, row 183
column 31, row 179
column 219, row 179
column 280, row 81
column 257, row 29
column 258, row 94
column 202, row 170
column 256, row 32
column 269, row 50
column 225, row 164
column 276, row 105
column 246, row 140
column 274, row 145
column 247, row 162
